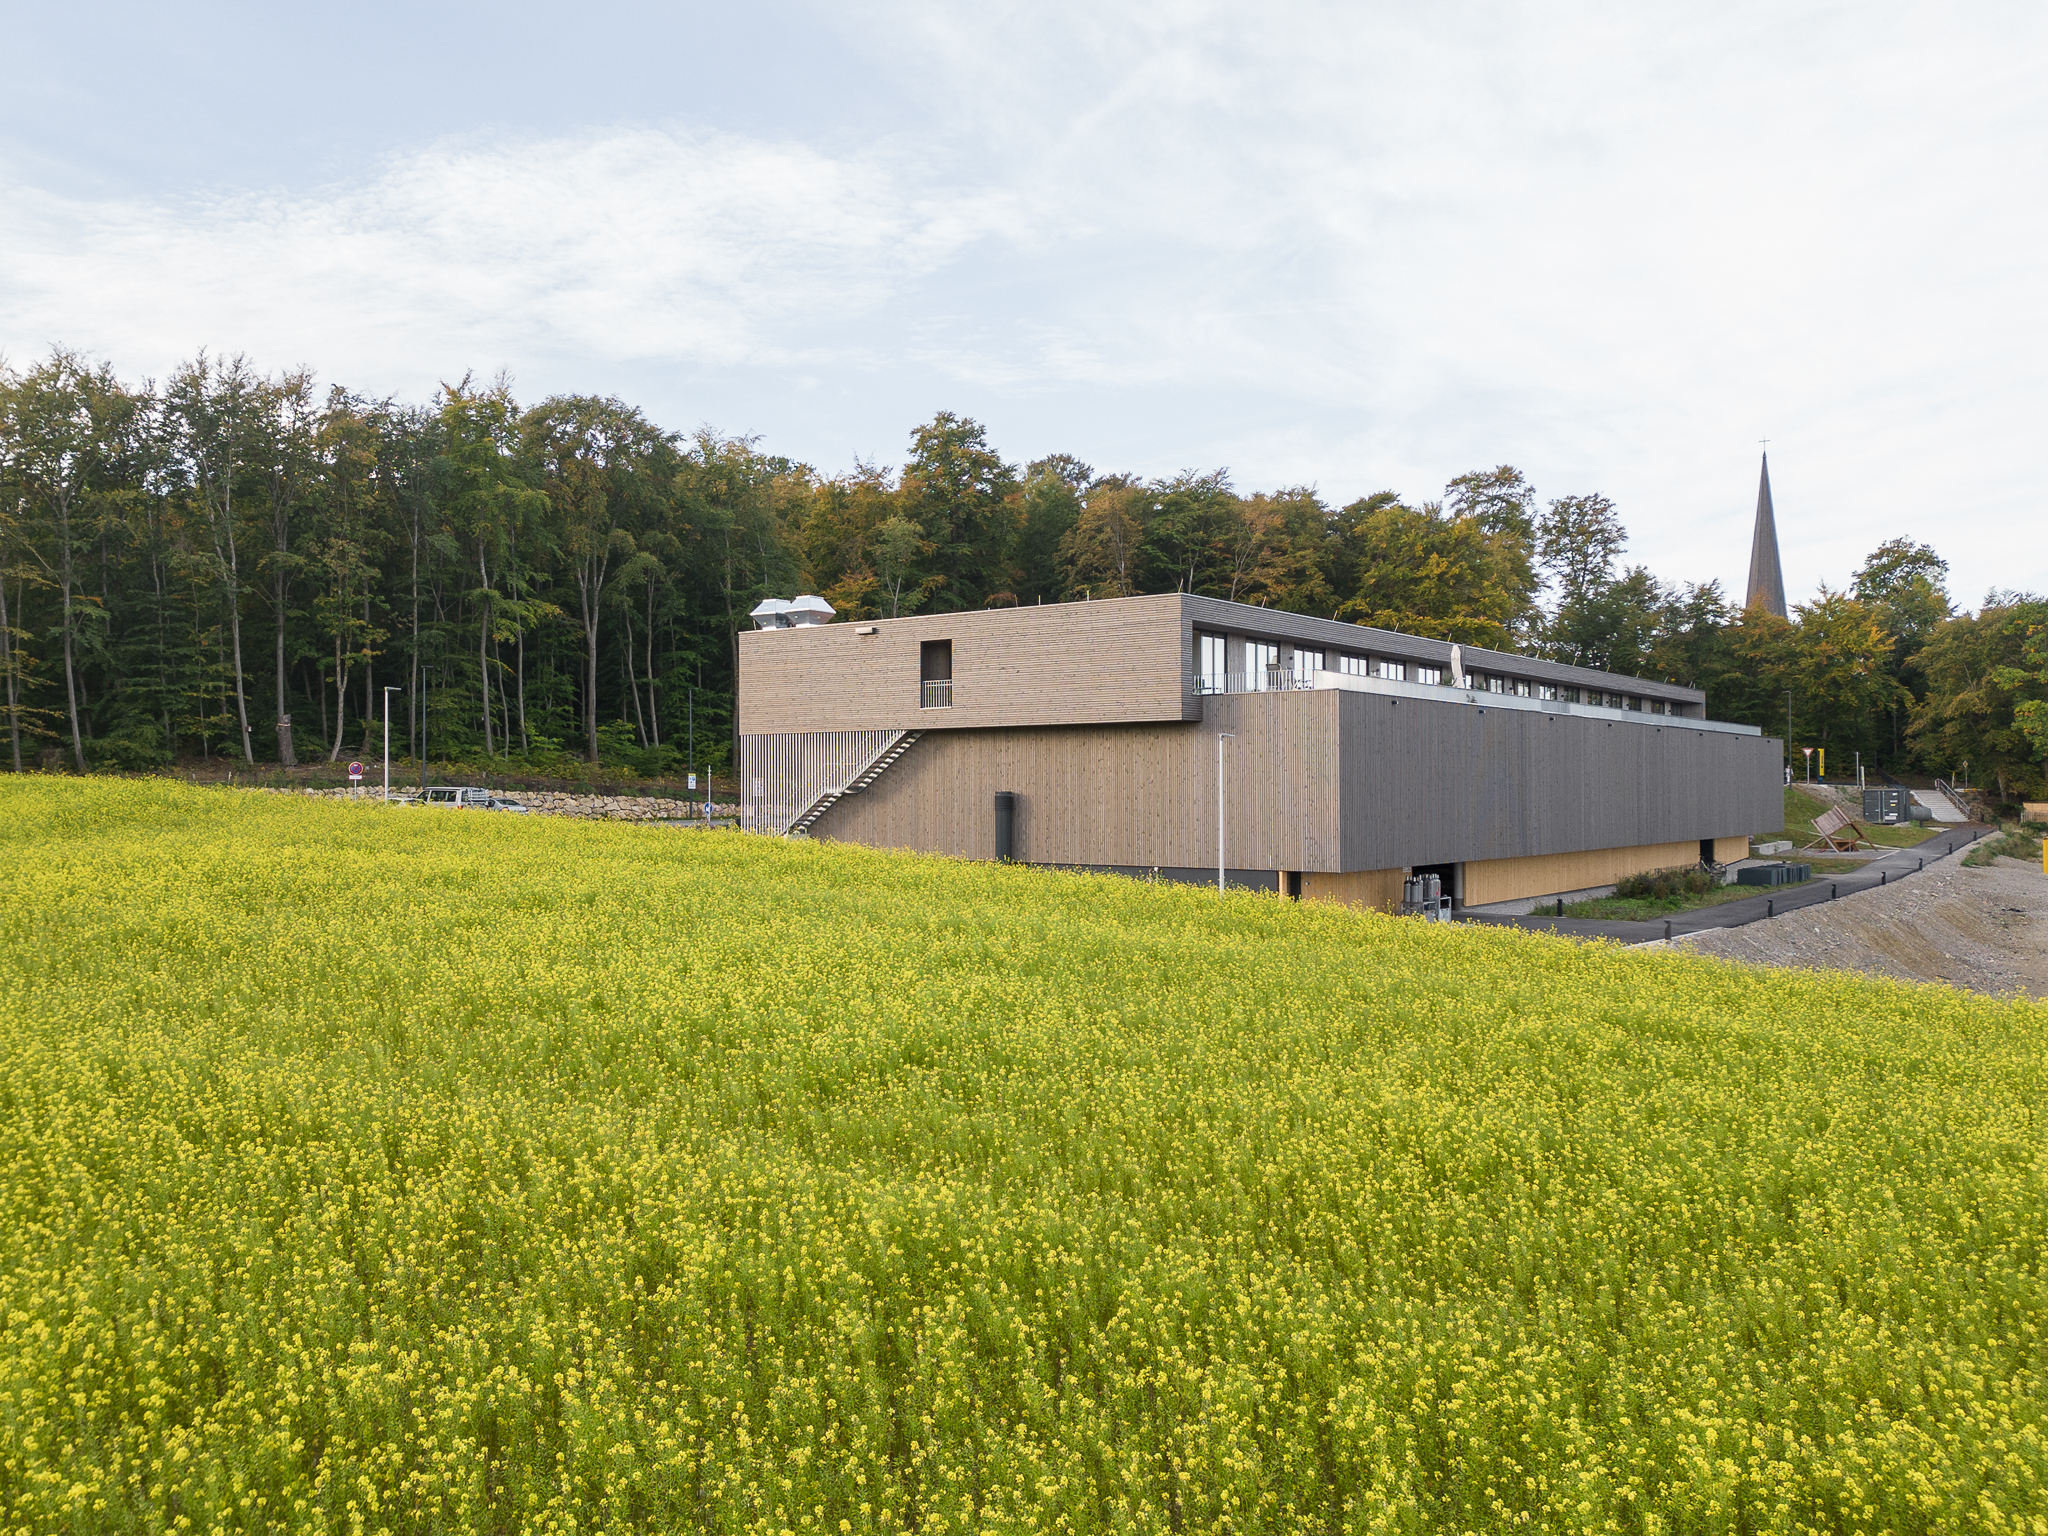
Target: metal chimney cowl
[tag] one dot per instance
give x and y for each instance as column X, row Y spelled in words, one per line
column 805, row 611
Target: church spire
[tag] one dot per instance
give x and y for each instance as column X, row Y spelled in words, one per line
column 1766, row 576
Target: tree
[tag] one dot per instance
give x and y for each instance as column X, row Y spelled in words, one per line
column 64, row 420
column 490, row 505
column 215, row 410
column 1503, row 503
column 1905, row 585
column 893, row 548
column 1050, row 505
column 286, row 459
column 1191, row 528
column 1419, row 570
column 1099, row 554
column 1691, row 634
column 599, row 462
column 1280, row 552
column 345, row 549
column 958, row 490
column 1838, row 665
column 1982, row 668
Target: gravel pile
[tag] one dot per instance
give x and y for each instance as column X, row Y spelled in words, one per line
column 1982, row 929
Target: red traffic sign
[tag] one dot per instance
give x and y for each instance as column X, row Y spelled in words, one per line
column 355, row 770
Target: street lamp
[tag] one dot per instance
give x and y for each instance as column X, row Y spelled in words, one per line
column 389, row 689
column 1221, row 737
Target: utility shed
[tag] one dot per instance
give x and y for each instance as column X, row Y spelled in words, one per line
column 1352, row 756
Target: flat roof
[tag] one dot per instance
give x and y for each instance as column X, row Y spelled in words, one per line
column 1250, row 619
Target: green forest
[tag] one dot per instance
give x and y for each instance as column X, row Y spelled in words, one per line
column 231, row 564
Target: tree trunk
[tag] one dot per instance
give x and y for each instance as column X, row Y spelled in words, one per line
column 70, row 664
column 235, row 629
column 483, row 653
column 416, row 709
column 285, row 754
column 590, row 683
column 633, row 683
column 653, row 712
column 340, row 701
column 519, row 654
column 7, row 661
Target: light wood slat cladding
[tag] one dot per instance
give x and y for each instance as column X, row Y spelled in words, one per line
column 1729, row 849
column 1490, row 880
column 1376, row 890
column 1141, row 794
column 1063, row 664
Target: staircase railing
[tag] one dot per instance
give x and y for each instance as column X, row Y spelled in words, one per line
column 873, row 769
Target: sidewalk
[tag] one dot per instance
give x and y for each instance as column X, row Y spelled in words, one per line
column 1900, row 864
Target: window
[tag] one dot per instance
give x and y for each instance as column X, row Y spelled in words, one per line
column 1306, row 665
column 1521, row 688
column 1261, row 665
column 1633, row 704
column 1497, row 685
column 1212, row 665
column 1355, row 666
column 935, row 673
column 1392, row 671
column 1568, row 695
column 1545, row 691
column 1474, row 680
column 1431, row 675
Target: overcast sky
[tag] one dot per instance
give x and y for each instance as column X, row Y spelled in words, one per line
column 1346, row 245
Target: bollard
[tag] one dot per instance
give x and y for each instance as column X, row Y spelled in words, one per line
column 1667, row 927
column 1882, row 876
column 1834, row 891
column 1770, row 908
column 1919, row 865
column 1560, row 906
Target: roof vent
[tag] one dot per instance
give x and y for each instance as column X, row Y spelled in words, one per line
column 808, row 610
column 771, row 613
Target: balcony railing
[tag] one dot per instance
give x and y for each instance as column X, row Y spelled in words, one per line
column 938, row 694
column 1271, row 680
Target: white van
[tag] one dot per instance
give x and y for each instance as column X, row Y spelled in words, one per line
column 466, row 799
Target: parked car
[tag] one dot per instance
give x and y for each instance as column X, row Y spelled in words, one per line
column 461, row 798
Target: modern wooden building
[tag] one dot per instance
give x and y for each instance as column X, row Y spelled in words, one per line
column 1352, row 756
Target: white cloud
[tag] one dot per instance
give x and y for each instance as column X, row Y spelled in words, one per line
column 623, row 245
column 1354, row 246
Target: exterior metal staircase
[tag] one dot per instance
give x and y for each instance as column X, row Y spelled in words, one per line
column 875, row 767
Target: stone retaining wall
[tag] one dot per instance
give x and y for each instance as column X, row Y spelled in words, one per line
column 549, row 803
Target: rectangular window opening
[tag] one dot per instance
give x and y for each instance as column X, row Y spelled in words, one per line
column 1261, row 666
column 935, row 674
column 1212, row 669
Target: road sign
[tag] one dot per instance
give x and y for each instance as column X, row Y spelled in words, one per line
column 693, row 781
column 355, row 770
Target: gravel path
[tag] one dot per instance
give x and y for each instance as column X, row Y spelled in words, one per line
column 1982, row 929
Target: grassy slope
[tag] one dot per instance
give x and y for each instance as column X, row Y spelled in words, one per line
column 1801, row 810
column 454, row 1172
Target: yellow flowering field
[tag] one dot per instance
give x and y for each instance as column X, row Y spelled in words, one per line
column 384, row 1170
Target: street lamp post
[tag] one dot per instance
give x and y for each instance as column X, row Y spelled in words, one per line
column 1221, row 737
column 389, row 690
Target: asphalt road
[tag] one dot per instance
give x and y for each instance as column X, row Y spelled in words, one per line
column 1902, row 865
